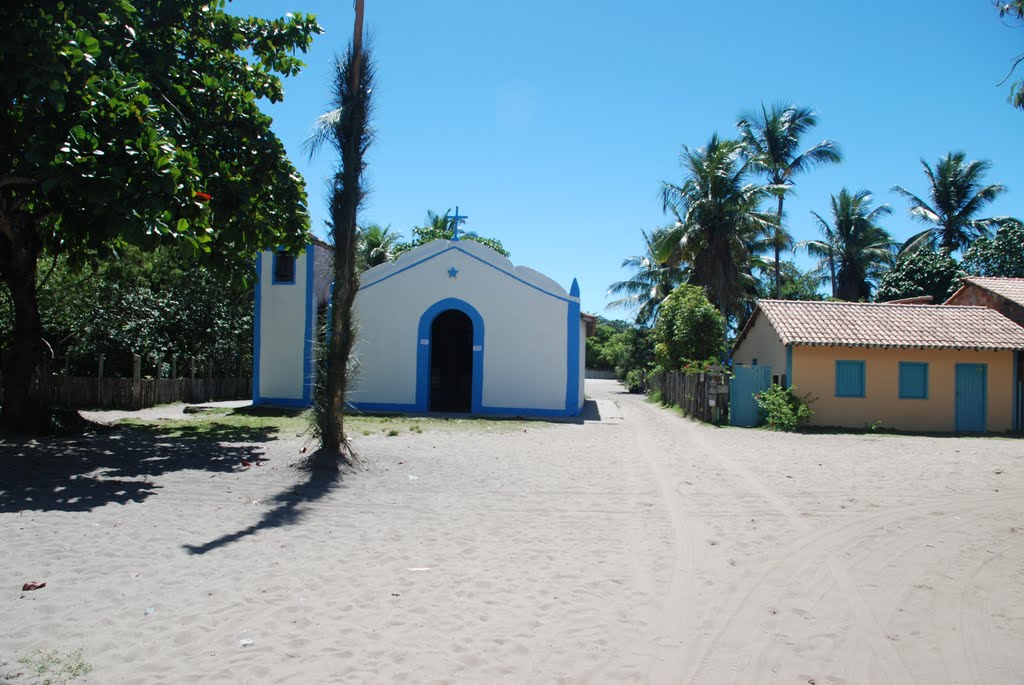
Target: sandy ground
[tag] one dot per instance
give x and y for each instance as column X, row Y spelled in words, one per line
column 635, row 547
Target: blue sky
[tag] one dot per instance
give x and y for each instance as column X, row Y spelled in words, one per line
column 551, row 124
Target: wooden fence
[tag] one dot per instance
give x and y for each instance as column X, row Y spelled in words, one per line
column 704, row 396
column 131, row 394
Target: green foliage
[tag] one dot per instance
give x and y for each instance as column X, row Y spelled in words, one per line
column 783, row 409
column 632, row 350
column 921, row 272
column 50, row 667
column 157, row 305
column 440, row 227
column 635, row 381
column 795, row 284
column 1015, row 10
column 1000, row 255
column 138, row 124
column 718, row 220
column 688, row 327
column 656, row 273
column 855, row 252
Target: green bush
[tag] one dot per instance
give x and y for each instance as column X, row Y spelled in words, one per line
column 636, row 381
column 688, row 327
column 783, row 409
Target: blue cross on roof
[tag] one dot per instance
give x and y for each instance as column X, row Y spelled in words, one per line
column 456, row 220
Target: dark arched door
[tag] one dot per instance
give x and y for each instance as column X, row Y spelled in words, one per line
column 451, row 362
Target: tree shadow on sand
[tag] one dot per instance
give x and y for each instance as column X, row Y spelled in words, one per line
column 288, row 510
column 111, row 466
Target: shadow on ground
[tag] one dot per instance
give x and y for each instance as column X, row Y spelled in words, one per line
column 114, row 466
column 286, row 512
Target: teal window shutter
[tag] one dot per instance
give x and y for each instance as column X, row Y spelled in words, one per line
column 849, row 378
column 914, row 380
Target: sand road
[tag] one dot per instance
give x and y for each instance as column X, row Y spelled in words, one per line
column 636, row 546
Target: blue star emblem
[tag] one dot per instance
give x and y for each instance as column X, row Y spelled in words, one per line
column 453, row 272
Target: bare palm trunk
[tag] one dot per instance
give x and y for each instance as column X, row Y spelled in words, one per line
column 778, row 251
column 346, row 197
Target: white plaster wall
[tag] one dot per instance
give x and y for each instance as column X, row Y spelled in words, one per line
column 764, row 344
column 282, row 331
column 525, row 328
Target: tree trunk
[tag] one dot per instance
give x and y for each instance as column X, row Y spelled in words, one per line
column 20, row 414
column 778, row 251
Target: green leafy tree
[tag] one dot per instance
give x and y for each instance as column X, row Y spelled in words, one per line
column 956, row 195
column 1000, row 255
column 1014, row 10
column 376, row 246
column 771, row 138
column 854, row 250
column 441, row 227
column 717, row 220
column 655, row 275
column 921, row 272
column 137, row 124
column 346, row 128
column 688, row 328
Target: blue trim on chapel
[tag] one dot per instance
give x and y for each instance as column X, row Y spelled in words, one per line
column 572, row 351
column 423, row 352
column 457, row 248
column 308, row 377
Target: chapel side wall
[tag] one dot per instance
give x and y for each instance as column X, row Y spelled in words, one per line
column 581, row 398
column 814, row 374
column 763, row 344
column 282, row 332
column 522, row 367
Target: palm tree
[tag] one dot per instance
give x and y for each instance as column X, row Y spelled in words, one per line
column 772, row 142
column 346, row 128
column 717, row 220
column 376, row 246
column 957, row 196
column 855, row 250
column 655, row 276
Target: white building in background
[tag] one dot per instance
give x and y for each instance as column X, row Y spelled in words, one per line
column 450, row 326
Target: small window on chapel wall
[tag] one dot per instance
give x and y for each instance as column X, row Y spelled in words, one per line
column 284, row 268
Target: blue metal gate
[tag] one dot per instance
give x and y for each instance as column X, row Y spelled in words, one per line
column 971, row 396
column 747, row 382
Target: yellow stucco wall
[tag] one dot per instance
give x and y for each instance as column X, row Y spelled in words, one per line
column 763, row 344
column 814, row 373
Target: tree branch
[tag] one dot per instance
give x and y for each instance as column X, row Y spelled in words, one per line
column 1013, row 67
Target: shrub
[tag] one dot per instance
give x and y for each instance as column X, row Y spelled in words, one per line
column 783, row 409
column 688, row 327
column 636, row 381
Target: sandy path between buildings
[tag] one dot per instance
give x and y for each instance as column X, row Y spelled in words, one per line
column 635, row 547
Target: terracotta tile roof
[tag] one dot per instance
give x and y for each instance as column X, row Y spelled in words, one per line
column 1011, row 289
column 860, row 324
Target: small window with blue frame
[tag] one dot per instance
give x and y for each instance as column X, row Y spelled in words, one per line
column 913, row 380
column 284, row 268
column 849, row 378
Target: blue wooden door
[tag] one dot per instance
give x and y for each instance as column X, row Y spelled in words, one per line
column 747, row 382
column 971, row 397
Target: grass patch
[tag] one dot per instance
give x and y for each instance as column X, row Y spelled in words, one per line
column 48, row 667
column 259, row 424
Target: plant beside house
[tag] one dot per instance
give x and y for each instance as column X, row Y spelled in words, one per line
column 783, row 409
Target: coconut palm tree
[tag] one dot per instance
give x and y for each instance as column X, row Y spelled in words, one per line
column 717, row 220
column 376, row 246
column 957, row 196
column 346, row 129
column 655, row 276
column 855, row 250
column 771, row 138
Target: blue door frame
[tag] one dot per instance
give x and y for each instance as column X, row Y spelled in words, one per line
column 971, row 398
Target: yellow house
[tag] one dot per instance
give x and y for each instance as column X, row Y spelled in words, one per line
column 909, row 367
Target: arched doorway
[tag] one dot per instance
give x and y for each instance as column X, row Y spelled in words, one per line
column 451, row 362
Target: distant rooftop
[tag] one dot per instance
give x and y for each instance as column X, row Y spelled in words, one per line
column 862, row 324
column 1011, row 289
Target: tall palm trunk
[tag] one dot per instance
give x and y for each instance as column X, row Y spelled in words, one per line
column 778, row 251
column 347, row 194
